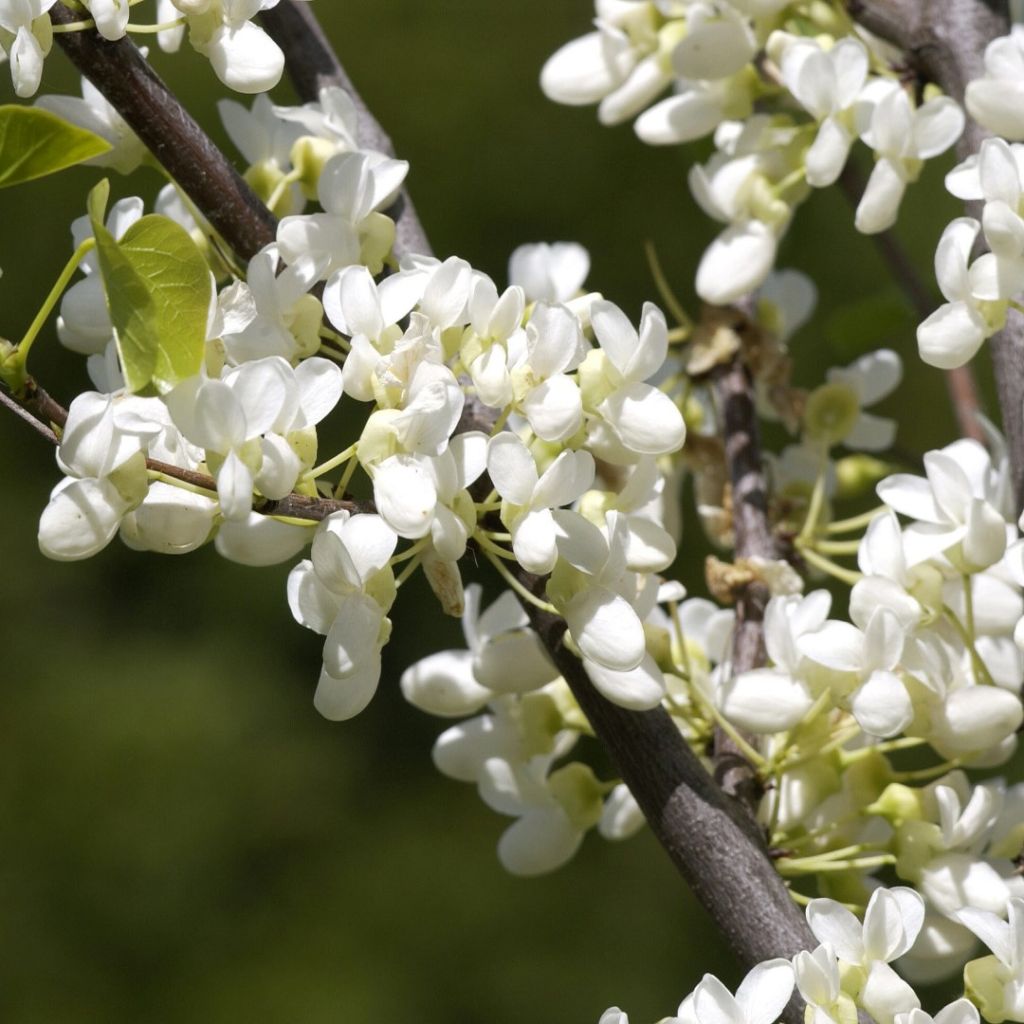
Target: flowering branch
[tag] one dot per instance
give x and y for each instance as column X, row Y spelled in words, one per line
column 717, row 848
column 711, row 842
column 313, row 65
column 131, row 86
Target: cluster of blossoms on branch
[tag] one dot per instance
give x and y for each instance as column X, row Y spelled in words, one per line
column 244, row 57
column 539, row 424
column 785, row 89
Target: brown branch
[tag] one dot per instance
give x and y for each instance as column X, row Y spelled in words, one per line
column 713, row 844
column 313, row 65
column 960, row 382
column 945, row 40
column 36, row 424
column 734, row 394
column 131, row 86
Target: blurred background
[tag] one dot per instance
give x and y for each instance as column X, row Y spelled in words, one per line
column 182, row 837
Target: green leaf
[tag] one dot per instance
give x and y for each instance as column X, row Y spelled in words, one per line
column 34, row 143
column 158, row 294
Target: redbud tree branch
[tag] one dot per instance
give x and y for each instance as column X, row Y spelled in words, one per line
column 945, row 42
column 711, row 840
column 734, row 394
column 709, row 837
column 171, row 134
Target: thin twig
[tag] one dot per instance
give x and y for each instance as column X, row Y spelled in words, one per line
column 734, row 393
column 37, row 408
column 960, row 381
column 37, row 425
column 313, row 65
column 123, row 76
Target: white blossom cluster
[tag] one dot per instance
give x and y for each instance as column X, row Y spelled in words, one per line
column 539, row 425
column 243, row 56
column 785, row 89
column 571, row 372
column 850, row 971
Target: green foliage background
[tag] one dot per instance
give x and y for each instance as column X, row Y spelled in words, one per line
column 182, row 838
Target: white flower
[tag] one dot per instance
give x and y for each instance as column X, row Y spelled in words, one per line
column 553, row 811
column 103, row 457
column 817, row 979
column 1006, row 941
column 28, row 24
column 620, row 66
column 696, row 110
column 643, row 418
column 891, row 923
column 958, row 509
column 827, row 85
column 353, row 186
column 111, row 17
column 333, row 118
column 834, row 412
column 228, row 418
column 760, row 998
column 504, row 656
column 549, row 398
column 961, row 1011
column 530, row 496
column 768, row 700
column 243, row 56
column 338, row 592
column 272, row 314
column 996, row 100
column 953, row 334
column 902, row 138
column 880, row 701
column 597, row 598
column 549, row 272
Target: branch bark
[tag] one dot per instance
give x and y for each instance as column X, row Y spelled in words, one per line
column 713, row 844
column 734, row 392
column 945, row 40
column 131, row 86
column 313, row 65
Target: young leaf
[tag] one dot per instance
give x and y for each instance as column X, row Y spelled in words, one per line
column 158, row 293
column 177, row 277
column 34, row 143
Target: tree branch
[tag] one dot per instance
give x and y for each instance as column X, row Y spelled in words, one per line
column 734, row 393
column 713, row 844
column 946, row 40
column 22, row 413
column 123, row 76
column 313, row 65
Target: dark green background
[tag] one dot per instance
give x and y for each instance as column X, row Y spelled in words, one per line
column 182, row 838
